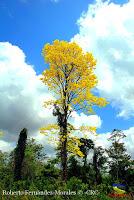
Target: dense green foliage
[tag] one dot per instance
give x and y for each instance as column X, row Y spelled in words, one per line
column 19, row 154
column 41, row 173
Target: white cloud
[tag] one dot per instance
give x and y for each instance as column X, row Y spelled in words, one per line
column 102, row 140
column 129, row 140
column 6, row 146
column 21, row 99
column 83, row 120
column 21, row 95
column 107, row 30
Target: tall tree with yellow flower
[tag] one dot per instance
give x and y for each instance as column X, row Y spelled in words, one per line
column 71, row 78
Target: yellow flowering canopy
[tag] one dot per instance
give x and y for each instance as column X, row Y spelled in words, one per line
column 71, row 76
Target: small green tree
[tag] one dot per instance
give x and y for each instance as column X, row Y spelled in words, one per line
column 19, row 154
column 74, row 167
column 33, row 160
column 119, row 159
column 85, row 147
column 99, row 161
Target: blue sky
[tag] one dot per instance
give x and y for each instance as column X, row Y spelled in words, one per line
column 29, row 24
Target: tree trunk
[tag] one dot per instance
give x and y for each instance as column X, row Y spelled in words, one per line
column 97, row 171
column 64, row 148
column 85, row 160
column 64, row 160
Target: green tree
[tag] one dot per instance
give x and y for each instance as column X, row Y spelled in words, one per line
column 33, row 161
column 99, row 161
column 85, row 147
column 74, row 167
column 71, row 78
column 119, row 159
column 19, row 154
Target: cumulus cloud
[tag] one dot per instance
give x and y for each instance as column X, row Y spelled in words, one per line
column 21, row 99
column 106, row 29
column 129, row 141
column 102, row 140
column 21, row 95
column 6, row 146
column 83, row 120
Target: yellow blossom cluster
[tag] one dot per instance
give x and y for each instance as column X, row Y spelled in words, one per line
column 91, row 129
column 71, row 74
column 1, row 133
column 49, row 128
column 73, row 146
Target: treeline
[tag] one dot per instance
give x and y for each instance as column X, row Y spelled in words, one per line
column 27, row 167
